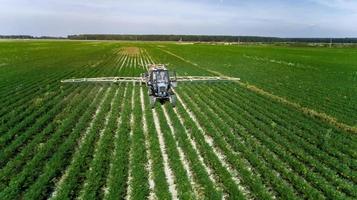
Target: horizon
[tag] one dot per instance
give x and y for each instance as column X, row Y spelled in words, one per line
column 274, row 18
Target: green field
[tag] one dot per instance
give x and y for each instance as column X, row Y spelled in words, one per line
column 287, row 130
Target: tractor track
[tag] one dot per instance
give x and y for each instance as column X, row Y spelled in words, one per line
column 308, row 111
column 168, row 171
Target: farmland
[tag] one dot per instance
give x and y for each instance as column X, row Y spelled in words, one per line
column 287, row 130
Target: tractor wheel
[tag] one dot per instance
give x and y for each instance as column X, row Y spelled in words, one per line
column 152, row 101
column 173, row 100
column 171, row 92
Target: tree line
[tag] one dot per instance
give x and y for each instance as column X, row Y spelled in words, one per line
column 207, row 38
column 187, row 38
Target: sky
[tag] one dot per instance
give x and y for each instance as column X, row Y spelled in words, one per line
column 277, row 18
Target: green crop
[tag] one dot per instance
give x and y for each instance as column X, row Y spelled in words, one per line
column 259, row 138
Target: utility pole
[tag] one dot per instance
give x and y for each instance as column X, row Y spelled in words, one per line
column 330, row 42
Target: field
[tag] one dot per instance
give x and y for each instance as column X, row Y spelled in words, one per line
column 287, row 130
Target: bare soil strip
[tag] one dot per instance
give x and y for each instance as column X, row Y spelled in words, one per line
column 142, row 63
column 99, row 142
column 152, row 194
column 146, row 59
column 194, row 146
column 114, row 154
column 130, row 177
column 183, row 158
column 168, row 172
column 133, row 65
column 246, row 162
column 149, row 166
column 151, row 60
column 222, row 158
column 119, row 62
column 123, row 63
column 81, row 141
column 308, row 111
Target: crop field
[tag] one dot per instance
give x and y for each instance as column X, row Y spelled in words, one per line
column 287, row 130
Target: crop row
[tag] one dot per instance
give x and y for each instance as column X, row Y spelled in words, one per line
column 26, row 107
column 327, row 87
column 57, row 115
column 54, row 166
column 245, row 177
column 240, row 106
column 70, row 182
column 138, row 184
column 118, row 172
column 23, row 179
column 40, row 119
column 98, row 169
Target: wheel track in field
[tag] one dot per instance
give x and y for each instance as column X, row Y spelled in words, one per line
column 306, row 146
column 235, row 173
column 308, row 111
column 149, row 165
column 194, row 146
column 130, row 176
column 220, row 155
column 170, row 178
column 285, row 156
column 118, row 61
column 285, row 112
column 183, row 158
column 152, row 194
column 238, row 154
column 240, row 140
column 123, row 63
column 169, row 174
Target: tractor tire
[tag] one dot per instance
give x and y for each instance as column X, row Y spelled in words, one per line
column 152, row 101
column 173, row 100
column 171, row 92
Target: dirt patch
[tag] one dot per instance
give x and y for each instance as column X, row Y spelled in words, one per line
column 130, row 51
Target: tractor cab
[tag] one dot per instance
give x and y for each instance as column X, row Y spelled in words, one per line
column 160, row 82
